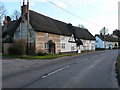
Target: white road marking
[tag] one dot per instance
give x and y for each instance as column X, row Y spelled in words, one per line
column 55, row 71
column 91, row 66
column 82, row 60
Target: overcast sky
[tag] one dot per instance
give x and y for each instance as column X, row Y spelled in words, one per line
column 98, row 13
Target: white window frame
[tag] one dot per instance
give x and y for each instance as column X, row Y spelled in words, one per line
column 63, row 45
column 72, row 48
column 46, row 45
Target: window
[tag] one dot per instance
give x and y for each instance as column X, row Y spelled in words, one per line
column 46, row 45
column 63, row 45
column 93, row 46
column 72, row 48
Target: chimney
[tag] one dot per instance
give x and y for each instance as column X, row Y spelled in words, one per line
column 70, row 27
column 5, row 22
column 24, row 10
column 100, row 34
column 23, row 2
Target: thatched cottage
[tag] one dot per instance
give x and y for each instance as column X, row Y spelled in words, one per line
column 43, row 30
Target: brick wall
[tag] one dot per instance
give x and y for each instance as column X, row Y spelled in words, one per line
column 42, row 38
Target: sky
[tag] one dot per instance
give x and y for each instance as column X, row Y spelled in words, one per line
column 93, row 14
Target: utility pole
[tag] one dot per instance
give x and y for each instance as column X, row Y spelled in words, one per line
column 28, row 32
column 104, row 37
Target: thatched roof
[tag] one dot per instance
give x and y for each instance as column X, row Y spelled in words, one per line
column 43, row 23
column 108, row 38
column 84, row 34
column 11, row 29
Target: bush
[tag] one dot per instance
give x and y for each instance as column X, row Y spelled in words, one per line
column 19, row 48
column 12, row 51
column 114, row 48
column 32, row 50
column 98, row 49
column 41, row 53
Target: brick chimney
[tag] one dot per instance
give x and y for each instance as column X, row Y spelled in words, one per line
column 24, row 10
column 5, row 22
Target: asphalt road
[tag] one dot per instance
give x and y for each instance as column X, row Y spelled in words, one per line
column 94, row 70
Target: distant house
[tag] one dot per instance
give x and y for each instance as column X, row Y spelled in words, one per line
column 106, row 41
column 44, row 30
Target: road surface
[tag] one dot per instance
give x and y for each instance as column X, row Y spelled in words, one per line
column 94, row 70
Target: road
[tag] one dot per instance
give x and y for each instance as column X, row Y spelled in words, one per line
column 94, row 70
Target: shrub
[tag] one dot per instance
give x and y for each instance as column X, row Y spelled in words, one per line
column 41, row 52
column 32, row 50
column 12, row 51
column 114, row 48
column 19, row 47
column 98, row 49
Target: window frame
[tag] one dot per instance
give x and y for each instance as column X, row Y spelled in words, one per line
column 46, row 45
column 63, row 45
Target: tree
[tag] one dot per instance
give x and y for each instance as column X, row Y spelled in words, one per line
column 15, row 15
column 104, row 31
column 81, row 26
column 8, row 18
column 116, row 32
column 2, row 12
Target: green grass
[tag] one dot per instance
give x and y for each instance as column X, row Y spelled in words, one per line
column 118, row 65
column 14, row 56
column 49, row 56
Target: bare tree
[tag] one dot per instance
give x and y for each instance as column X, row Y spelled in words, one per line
column 81, row 26
column 2, row 12
column 15, row 15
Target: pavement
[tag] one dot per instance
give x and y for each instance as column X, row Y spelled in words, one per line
column 93, row 70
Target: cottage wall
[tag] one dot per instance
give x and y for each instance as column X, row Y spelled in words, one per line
column 113, row 44
column 67, row 46
column 87, row 45
column 99, row 43
column 42, row 38
column 70, row 47
column 22, row 32
column 105, row 44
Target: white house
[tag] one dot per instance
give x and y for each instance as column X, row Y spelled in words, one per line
column 106, row 41
column 86, row 40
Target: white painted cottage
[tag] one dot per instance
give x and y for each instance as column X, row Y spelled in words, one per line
column 106, row 41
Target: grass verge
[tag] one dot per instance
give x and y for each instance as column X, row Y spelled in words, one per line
column 49, row 56
column 118, row 69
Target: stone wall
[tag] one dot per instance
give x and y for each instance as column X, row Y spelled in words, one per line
column 42, row 38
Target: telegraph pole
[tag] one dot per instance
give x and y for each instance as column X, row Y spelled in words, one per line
column 28, row 32
column 104, row 37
